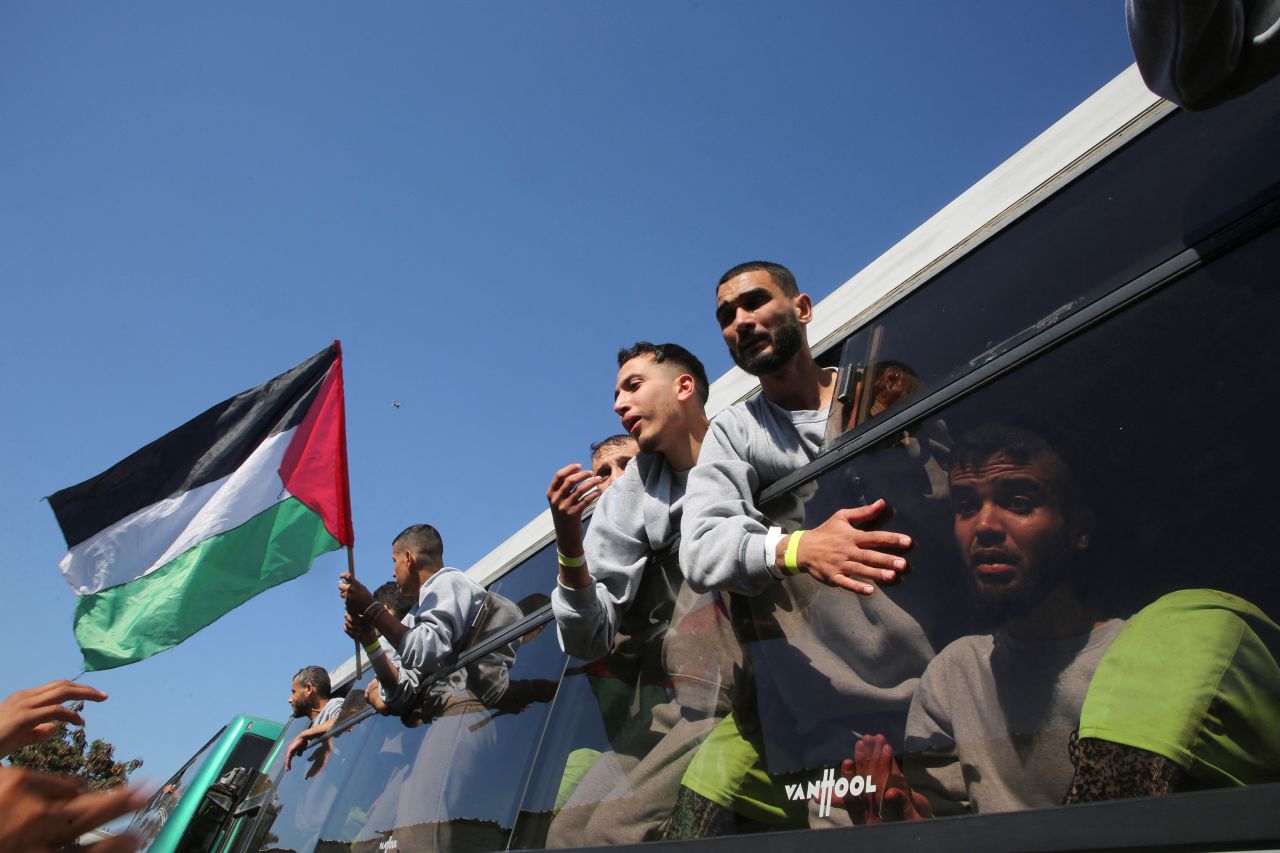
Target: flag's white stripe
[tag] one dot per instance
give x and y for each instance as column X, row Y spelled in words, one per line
column 154, row 535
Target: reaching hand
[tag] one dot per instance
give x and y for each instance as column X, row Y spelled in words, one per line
column 356, row 594
column 838, row 551
column 41, row 813
column 30, row 716
column 892, row 798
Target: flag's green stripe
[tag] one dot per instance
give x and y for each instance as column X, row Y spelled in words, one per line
column 136, row 620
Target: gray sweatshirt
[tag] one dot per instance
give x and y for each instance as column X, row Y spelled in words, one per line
column 638, row 516
column 749, row 447
column 989, row 725
column 438, row 626
column 826, row 661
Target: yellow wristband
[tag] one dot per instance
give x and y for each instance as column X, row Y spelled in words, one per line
column 372, row 649
column 571, row 562
column 792, row 552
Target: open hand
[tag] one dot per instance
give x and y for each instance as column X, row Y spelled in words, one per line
column 892, row 798
column 840, row 553
column 30, row 716
column 45, row 813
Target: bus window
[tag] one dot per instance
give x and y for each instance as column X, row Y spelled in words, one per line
column 626, row 727
column 447, row 772
column 1125, row 471
column 1164, row 192
column 149, row 820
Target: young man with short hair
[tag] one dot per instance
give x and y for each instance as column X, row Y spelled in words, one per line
column 435, row 629
column 670, row 677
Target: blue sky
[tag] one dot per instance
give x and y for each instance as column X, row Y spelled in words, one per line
column 484, row 201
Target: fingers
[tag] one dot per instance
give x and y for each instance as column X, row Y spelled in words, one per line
column 115, row 844
column 858, row 514
column 57, row 692
column 89, row 810
column 846, row 582
column 557, row 480
column 571, row 493
column 50, row 787
column 881, row 539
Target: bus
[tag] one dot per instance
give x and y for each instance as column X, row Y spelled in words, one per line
column 199, row 807
column 1110, row 290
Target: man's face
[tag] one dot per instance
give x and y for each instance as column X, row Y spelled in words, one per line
column 646, row 402
column 609, row 462
column 760, row 323
column 300, row 698
column 1013, row 532
column 406, row 578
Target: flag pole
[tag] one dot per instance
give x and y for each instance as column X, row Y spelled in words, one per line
column 351, row 567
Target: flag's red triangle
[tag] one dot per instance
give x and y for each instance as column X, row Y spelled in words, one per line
column 315, row 465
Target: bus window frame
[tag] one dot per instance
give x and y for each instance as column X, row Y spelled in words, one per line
column 1259, row 219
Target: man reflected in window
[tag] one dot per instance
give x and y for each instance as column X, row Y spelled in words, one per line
column 991, row 720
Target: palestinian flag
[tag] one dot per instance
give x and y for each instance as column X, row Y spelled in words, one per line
column 231, row 503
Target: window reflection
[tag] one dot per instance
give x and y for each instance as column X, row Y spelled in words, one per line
column 627, row 727
column 1148, row 497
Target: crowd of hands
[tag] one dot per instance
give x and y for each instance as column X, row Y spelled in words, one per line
column 46, row 812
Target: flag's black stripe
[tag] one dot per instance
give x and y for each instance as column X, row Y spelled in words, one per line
column 206, row 448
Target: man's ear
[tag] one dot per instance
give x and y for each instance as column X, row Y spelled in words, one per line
column 410, row 559
column 686, row 387
column 804, row 307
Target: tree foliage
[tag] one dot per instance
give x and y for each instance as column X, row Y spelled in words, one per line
column 70, row 752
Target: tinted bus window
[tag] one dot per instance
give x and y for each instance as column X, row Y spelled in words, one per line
column 625, row 728
column 1164, row 192
column 147, row 822
column 447, row 774
column 1092, row 580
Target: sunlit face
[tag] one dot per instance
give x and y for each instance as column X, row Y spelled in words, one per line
column 609, row 462
column 1013, row 530
column 761, row 325
column 646, row 401
column 300, row 697
column 404, row 575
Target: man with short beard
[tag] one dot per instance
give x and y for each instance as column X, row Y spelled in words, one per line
column 990, row 723
column 726, row 543
column 309, row 697
column 824, row 662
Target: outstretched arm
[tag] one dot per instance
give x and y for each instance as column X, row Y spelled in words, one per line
column 617, row 550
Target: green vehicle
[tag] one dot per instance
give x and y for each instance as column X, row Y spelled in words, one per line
column 201, row 809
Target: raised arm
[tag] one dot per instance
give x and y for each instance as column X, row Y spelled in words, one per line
column 616, row 550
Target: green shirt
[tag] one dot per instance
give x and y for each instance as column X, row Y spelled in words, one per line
column 1194, row 677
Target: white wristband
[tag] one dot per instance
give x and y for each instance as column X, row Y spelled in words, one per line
column 771, row 540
